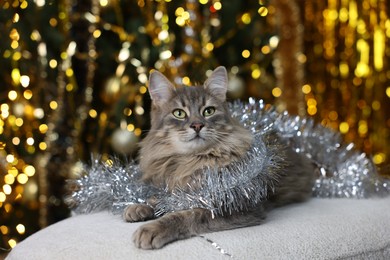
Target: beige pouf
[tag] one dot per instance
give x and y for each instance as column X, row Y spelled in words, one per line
column 317, row 229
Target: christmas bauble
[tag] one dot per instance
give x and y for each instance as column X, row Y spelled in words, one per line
column 111, row 90
column 124, row 141
column 236, row 87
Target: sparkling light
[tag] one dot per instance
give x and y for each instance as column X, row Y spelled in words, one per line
column 277, row 92
column 29, row 170
column 344, row 127
column 20, row 228
column 246, row 53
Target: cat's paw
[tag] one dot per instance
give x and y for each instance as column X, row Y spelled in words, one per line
column 153, row 235
column 138, row 212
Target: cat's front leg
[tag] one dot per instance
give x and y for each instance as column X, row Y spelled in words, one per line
column 187, row 223
column 170, row 227
column 138, row 212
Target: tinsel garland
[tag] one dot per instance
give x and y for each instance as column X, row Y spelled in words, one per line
column 342, row 171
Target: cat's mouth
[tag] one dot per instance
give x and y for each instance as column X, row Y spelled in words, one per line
column 197, row 137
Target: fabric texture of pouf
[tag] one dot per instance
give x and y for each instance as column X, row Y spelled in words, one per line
column 317, row 229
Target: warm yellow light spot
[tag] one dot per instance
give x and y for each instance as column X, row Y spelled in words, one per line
column 92, row 113
column 379, row 47
column 333, row 115
column 16, row 17
column 130, row 127
column 137, row 131
column 266, row 49
column 42, row 146
column 14, row 44
column 21, row 229
column 17, row 55
column 96, row 34
column 388, row 92
column 143, row 90
column 203, row 2
column 64, row 55
column 139, row 110
column 7, row 54
column 301, row 58
column 379, row 158
column 306, row 89
column 344, row 127
column 12, row 95
column 13, row 171
column 53, row 64
column 4, row 230
column 246, row 18
column 263, row 11
column 7, row 189
column 22, row 178
column 53, row 105
column 43, row 128
column 180, row 21
column 15, row 75
column 127, row 111
column 9, row 179
column 27, row 94
column 363, row 128
column 186, row 81
column 179, row 11
column 14, row 35
column 53, row 22
column 12, row 243
column 209, row 46
column 246, row 54
column 256, row 73
column 164, row 56
column 29, row 170
column 103, row 3
column 18, row 122
column 165, row 20
column 69, row 72
column 276, row 92
column 376, row 105
column 185, row 15
column 24, row 5
column 69, row 87
column 4, row 107
column 362, row 70
column 312, row 110
column 2, row 196
column 217, row 6
column 311, row 102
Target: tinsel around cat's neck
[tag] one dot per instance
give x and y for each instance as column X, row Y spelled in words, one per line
column 343, row 171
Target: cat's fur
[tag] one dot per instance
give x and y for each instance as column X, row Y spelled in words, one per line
column 179, row 145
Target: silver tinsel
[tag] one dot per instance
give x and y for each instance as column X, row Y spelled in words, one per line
column 342, row 171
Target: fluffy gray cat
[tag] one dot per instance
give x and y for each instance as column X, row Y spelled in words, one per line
column 191, row 128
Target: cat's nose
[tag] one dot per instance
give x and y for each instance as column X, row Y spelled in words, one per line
column 197, row 126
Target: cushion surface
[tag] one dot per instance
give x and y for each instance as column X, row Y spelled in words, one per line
column 317, row 229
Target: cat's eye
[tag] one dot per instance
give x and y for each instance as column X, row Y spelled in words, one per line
column 208, row 111
column 179, row 113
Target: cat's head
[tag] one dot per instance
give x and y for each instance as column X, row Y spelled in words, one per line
column 190, row 118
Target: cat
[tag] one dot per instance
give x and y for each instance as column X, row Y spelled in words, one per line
column 191, row 128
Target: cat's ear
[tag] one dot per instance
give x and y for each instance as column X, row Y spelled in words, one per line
column 217, row 83
column 160, row 88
